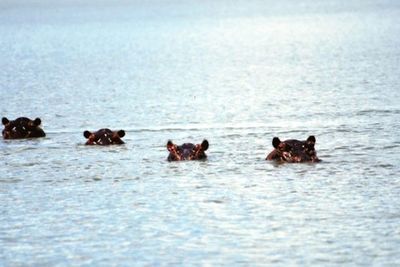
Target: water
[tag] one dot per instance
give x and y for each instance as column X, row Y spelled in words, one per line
column 237, row 73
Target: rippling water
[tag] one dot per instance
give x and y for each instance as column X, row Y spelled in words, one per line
column 237, row 73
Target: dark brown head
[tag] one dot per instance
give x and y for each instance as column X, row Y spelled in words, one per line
column 187, row 151
column 22, row 128
column 104, row 137
column 294, row 151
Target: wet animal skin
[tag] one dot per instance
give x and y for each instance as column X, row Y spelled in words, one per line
column 187, row 151
column 104, row 137
column 293, row 151
column 22, row 127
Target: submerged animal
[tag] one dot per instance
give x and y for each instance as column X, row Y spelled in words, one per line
column 22, row 127
column 187, row 151
column 104, row 137
column 293, row 151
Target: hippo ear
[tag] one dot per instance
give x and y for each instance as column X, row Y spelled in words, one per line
column 121, row 133
column 311, row 139
column 37, row 122
column 170, row 145
column 87, row 134
column 5, row 121
column 276, row 142
column 204, row 145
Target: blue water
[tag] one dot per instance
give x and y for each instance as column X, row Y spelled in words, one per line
column 235, row 72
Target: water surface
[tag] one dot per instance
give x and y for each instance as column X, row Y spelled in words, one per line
column 237, row 73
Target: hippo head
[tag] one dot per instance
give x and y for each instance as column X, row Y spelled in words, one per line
column 104, row 137
column 187, row 151
column 22, row 128
column 293, row 151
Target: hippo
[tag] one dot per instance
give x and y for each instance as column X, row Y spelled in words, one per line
column 187, row 151
column 104, row 137
column 293, row 151
column 22, row 127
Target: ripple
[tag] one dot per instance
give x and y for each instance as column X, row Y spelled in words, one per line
column 379, row 111
column 216, row 201
column 396, row 145
column 384, row 166
column 202, row 186
column 11, row 180
column 200, row 127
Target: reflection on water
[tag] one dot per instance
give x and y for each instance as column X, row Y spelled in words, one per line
column 236, row 74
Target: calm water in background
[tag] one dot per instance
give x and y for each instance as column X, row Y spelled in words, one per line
column 235, row 72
